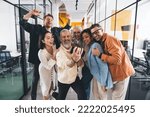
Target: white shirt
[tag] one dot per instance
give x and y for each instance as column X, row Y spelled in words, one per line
column 66, row 74
column 46, row 70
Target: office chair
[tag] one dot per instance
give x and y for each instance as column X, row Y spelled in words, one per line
column 147, row 59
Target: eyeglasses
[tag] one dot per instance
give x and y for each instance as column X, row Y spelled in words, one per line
column 96, row 32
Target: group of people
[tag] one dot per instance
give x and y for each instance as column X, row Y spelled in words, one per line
column 86, row 60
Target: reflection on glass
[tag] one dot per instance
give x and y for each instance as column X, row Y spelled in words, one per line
column 11, row 82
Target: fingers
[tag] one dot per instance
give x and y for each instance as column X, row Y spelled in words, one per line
column 95, row 51
column 81, row 51
column 74, row 50
column 36, row 12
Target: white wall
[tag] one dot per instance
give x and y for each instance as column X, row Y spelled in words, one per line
column 7, row 26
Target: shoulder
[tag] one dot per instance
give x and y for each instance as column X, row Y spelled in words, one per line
column 41, row 52
column 54, row 28
column 60, row 54
column 36, row 28
column 39, row 26
column 60, row 51
column 111, row 40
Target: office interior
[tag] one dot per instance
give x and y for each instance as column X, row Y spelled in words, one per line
column 128, row 21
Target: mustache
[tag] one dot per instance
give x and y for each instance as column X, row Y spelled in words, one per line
column 67, row 41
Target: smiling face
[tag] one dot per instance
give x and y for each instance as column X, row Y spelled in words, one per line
column 48, row 40
column 76, row 33
column 66, row 39
column 97, row 33
column 48, row 21
column 86, row 38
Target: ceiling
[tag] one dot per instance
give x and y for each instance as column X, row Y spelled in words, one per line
column 69, row 6
column 82, row 7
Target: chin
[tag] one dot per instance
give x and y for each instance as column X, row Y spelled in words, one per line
column 48, row 26
column 67, row 46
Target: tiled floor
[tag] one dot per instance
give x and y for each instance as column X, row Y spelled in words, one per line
column 70, row 96
column 137, row 91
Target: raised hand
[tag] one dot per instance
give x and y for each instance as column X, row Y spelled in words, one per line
column 35, row 12
column 31, row 13
column 95, row 52
column 77, row 52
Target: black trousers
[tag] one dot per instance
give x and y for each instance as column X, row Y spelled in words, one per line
column 77, row 87
column 35, row 81
column 86, row 80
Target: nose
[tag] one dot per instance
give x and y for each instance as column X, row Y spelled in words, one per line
column 67, row 38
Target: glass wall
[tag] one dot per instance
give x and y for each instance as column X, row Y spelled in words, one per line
column 125, row 21
column 142, row 25
column 11, row 80
column 125, row 3
column 124, row 29
column 48, row 7
column 15, row 79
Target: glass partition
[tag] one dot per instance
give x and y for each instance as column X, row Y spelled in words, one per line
column 133, row 31
column 48, row 7
column 141, row 55
column 11, row 81
column 125, row 25
column 111, row 7
column 102, row 9
column 122, row 4
column 110, row 26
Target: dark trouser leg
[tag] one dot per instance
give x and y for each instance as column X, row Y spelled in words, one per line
column 63, row 89
column 79, row 89
column 86, row 80
column 35, row 81
column 87, row 89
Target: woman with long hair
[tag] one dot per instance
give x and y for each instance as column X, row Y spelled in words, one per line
column 46, row 56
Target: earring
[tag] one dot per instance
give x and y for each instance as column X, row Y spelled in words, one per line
column 43, row 41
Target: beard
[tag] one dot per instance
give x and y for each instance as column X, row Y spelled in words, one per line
column 67, row 44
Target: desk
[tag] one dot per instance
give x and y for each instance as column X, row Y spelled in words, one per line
column 138, row 53
column 15, row 54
